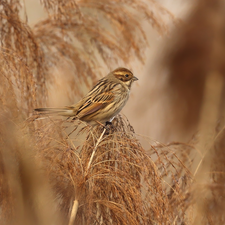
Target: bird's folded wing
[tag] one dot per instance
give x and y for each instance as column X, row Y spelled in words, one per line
column 95, row 103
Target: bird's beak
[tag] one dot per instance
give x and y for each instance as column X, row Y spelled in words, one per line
column 135, row 78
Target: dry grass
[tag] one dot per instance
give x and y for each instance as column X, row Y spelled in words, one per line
column 57, row 171
column 122, row 184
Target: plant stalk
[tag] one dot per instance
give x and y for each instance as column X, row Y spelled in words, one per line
column 74, row 212
column 93, row 153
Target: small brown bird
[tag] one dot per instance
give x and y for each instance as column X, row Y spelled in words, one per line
column 103, row 102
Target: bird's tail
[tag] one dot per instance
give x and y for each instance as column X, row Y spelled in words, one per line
column 56, row 111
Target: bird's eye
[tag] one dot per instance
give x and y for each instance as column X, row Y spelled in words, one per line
column 126, row 75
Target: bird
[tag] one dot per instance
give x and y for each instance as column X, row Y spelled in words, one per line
column 103, row 102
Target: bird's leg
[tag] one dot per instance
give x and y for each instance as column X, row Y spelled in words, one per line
column 109, row 126
column 108, row 123
column 106, row 126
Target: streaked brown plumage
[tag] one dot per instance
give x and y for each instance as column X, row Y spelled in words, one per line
column 103, row 102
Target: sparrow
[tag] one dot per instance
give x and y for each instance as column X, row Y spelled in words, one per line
column 104, row 101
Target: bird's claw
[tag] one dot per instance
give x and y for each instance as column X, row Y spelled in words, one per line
column 108, row 126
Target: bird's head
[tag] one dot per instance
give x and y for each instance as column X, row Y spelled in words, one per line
column 125, row 76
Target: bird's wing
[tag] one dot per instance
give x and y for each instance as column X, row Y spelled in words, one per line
column 92, row 104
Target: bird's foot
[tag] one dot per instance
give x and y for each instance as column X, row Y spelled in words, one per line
column 108, row 123
column 109, row 127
